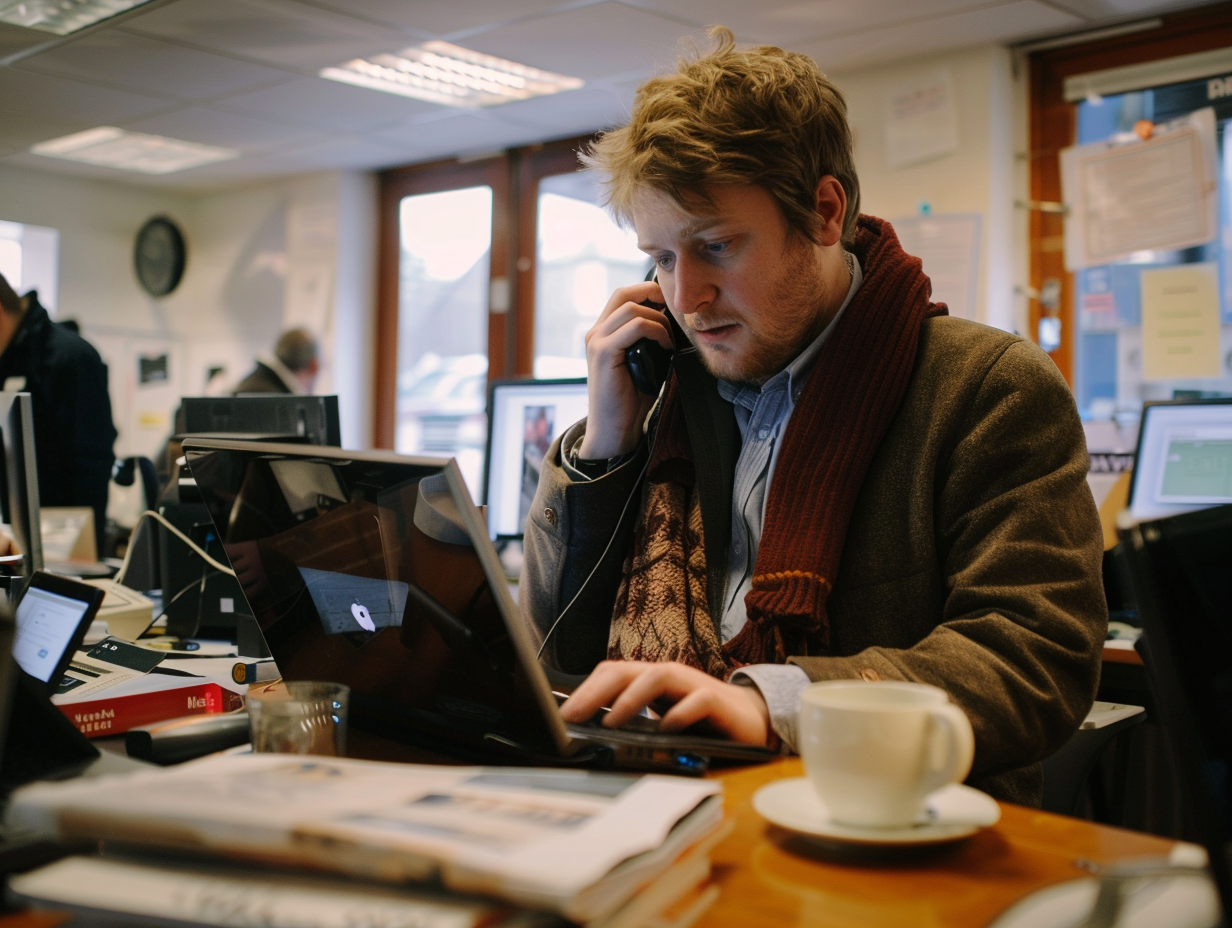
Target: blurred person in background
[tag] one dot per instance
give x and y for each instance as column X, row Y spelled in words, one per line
column 67, row 382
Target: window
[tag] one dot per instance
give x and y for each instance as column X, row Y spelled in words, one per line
column 1108, row 371
column 581, row 256
column 442, row 260
column 449, row 320
column 1099, row 307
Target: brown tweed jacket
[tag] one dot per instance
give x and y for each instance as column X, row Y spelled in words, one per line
column 972, row 559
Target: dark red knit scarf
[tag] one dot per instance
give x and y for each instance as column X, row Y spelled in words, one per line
column 851, row 397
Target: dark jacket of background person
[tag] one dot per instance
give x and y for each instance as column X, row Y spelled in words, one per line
column 262, row 379
column 73, row 430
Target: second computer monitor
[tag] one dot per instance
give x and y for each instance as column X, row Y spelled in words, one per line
column 1184, row 458
column 524, row 418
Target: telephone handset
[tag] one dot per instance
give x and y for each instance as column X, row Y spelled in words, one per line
column 647, row 360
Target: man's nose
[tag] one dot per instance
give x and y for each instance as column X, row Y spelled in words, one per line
column 692, row 287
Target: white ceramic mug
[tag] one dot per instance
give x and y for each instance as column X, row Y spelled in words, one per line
column 873, row 751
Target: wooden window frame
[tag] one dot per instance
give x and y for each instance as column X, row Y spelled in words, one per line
column 1053, row 126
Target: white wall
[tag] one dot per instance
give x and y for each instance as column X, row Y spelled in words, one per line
column 244, row 247
column 978, row 177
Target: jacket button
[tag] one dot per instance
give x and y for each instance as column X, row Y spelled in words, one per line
column 869, row 675
column 549, row 516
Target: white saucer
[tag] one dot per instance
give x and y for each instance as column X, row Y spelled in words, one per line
column 950, row 813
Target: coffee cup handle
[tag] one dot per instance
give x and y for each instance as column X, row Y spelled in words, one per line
column 951, row 747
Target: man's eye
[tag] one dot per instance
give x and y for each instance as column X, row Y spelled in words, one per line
column 665, row 261
column 716, row 248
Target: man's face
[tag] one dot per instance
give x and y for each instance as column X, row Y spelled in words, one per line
column 749, row 292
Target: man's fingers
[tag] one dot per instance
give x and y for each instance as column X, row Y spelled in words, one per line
column 598, row 690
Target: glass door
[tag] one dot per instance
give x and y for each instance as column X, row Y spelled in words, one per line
column 438, row 327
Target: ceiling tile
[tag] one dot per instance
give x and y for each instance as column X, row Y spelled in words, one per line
column 1105, row 9
column 459, row 133
column 14, row 40
column 442, row 18
column 134, row 63
column 575, row 112
column 210, row 126
column 276, row 32
column 997, row 24
column 790, row 23
column 326, row 105
column 24, row 95
column 595, row 42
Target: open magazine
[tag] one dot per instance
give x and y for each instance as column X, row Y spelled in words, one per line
column 578, row 843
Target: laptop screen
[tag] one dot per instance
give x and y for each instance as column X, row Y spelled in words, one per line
column 524, row 418
column 53, row 616
column 1184, row 458
column 359, row 569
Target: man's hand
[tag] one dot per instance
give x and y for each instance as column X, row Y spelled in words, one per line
column 627, row 687
column 616, row 408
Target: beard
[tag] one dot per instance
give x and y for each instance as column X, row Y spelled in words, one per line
column 798, row 300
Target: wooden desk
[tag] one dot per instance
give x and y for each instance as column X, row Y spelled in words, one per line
column 768, row 877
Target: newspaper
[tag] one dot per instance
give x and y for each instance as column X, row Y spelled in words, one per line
column 574, row 842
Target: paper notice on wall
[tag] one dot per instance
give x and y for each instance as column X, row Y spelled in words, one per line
column 1180, row 322
column 948, row 244
column 1157, row 194
column 921, row 120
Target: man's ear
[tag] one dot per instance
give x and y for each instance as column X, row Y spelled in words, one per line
column 831, row 207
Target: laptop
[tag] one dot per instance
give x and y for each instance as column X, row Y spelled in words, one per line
column 456, row 670
column 1183, row 460
column 53, row 615
column 1178, row 570
column 51, row 619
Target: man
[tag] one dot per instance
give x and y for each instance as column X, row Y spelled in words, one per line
column 837, row 481
column 67, row 383
column 292, row 368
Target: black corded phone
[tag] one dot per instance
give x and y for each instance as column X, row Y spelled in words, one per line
column 647, row 360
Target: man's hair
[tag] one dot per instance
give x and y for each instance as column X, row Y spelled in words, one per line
column 9, row 300
column 296, row 349
column 748, row 115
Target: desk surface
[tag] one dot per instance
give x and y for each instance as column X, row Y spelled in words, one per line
column 769, row 877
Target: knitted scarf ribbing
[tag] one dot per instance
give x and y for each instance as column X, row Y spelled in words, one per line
column 852, row 395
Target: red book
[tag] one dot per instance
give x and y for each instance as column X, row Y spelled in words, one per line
column 114, row 715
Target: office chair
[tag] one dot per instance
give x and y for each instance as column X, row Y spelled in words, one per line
column 1067, row 772
column 125, row 471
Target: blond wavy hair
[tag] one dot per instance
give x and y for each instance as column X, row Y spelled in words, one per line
column 733, row 115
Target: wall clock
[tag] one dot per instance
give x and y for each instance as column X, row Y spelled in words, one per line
column 159, row 256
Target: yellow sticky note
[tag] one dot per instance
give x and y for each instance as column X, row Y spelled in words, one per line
column 1180, row 322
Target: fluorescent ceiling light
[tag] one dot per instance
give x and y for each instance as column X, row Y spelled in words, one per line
column 442, row 73
column 132, row 151
column 62, row 17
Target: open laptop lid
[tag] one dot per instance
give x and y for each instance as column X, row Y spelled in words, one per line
column 1183, row 461
column 376, row 570
column 53, row 616
column 1178, row 569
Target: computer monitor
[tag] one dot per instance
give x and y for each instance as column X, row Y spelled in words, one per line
column 198, row 600
column 524, row 418
column 268, row 416
column 1184, row 458
column 21, row 499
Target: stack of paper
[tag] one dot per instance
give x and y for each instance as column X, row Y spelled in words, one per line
column 599, row 849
